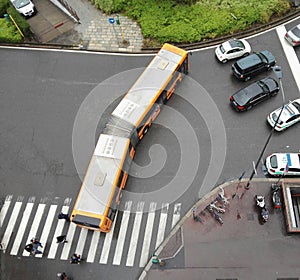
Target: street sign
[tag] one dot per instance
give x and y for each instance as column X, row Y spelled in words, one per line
column 111, row 20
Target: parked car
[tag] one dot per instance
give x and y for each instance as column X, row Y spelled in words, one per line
column 253, row 94
column 293, row 36
column 231, row 49
column 283, row 164
column 289, row 116
column 247, row 67
column 24, row 7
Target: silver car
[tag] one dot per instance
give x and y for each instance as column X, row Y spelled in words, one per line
column 293, row 36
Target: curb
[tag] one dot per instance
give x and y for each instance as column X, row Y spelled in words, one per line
column 189, row 213
column 295, row 13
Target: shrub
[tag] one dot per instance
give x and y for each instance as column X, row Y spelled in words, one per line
column 191, row 21
column 4, row 4
column 8, row 32
column 20, row 21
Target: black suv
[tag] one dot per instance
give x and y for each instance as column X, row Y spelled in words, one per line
column 245, row 68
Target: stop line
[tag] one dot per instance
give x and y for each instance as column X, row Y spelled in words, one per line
column 22, row 220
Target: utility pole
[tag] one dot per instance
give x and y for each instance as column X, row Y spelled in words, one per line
column 278, row 72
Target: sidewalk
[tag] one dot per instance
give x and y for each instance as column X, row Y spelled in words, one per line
column 94, row 32
column 241, row 248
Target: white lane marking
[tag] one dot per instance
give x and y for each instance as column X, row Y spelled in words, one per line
column 93, row 247
column 67, row 246
column 35, row 224
column 11, row 224
column 290, row 55
column 122, row 234
column 162, row 224
column 81, row 241
column 21, row 229
column 148, row 234
column 135, row 234
column 5, row 208
column 58, row 232
column 176, row 214
column 46, row 229
column 107, row 243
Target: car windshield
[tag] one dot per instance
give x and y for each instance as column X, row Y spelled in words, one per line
column 241, row 98
column 262, row 57
column 263, row 86
column 296, row 31
column 236, row 44
column 274, row 117
column 222, row 49
column 273, row 161
column 21, row 3
column 297, row 105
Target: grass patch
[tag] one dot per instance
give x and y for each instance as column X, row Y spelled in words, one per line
column 177, row 22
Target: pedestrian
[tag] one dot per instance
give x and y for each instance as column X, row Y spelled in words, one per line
column 64, row 216
column 61, row 239
column 29, row 248
column 62, row 276
column 35, row 241
column 75, row 259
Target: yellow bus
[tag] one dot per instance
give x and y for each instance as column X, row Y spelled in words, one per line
column 96, row 205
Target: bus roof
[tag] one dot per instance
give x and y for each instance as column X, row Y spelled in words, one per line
column 99, row 180
column 149, row 85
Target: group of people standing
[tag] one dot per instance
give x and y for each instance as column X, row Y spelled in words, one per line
column 35, row 244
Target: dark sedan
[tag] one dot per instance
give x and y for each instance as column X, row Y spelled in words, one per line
column 253, row 94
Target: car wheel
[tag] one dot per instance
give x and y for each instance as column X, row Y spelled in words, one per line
column 245, row 54
column 247, row 79
column 224, row 60
column 274, row 93
column 249, row 107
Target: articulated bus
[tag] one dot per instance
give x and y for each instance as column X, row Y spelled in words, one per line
column 99, row 196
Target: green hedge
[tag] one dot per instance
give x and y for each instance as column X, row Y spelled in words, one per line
column 4, row 4
column 8, row 32
column 20, row 20
column 182, row 21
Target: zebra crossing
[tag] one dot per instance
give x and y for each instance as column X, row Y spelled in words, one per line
column 21, row 220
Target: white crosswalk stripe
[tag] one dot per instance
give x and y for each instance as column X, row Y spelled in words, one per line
column 148, row 234
column 162, row 224
column 135, row 234
column 21, row 230
column 93, row 249
column 58, row 232
column 47, row 228
column 107, row 243
column 11, row 224
column 35, row 224
column 67, row 246
column 5, row 209
column 122, row 234
column 81, row 240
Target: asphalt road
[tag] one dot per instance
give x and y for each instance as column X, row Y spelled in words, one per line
column 41, row 94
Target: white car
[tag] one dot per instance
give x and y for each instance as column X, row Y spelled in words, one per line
column 24, row 7
column 283, row 164
column 231, row 49
column 293, row 36
column 289, row 116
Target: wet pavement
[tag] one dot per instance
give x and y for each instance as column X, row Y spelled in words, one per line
column 243, row 247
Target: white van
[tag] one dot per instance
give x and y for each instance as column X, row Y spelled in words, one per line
column 24, row 7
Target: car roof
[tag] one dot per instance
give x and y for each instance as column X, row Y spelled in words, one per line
column 289, row 110
column 248, row 61
column 290, row 159
column 250, row 91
